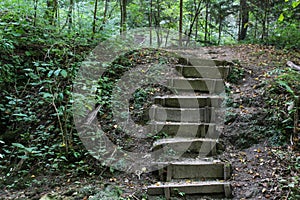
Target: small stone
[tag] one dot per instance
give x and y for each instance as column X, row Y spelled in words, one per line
column 249, row 194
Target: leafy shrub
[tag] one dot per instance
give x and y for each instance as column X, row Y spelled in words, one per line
column 281, row 97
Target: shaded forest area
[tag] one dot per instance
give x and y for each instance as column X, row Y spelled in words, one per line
column 44, row 42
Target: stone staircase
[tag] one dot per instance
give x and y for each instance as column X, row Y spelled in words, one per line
column 189, row 120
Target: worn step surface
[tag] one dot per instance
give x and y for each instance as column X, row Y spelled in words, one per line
column 189, row 121
column 195, row 169
column 170, row 189
column 214, row 72
column 207, row 114
column 184, row 129
column 188, row 101
column 193, row 61
column 208, row 85
column 201, row 146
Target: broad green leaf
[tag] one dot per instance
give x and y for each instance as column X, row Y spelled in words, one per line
column 56, row 72
column 64, row 73
column 47, row 95
column 20, row 115
column 296, row 4
column 18, row 145
column 50, row 73
column 27, row 53
column 288, row 88
column 281, row 17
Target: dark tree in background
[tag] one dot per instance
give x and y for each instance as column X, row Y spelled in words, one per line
column 243, row 20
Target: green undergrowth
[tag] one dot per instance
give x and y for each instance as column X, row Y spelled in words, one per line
column 282, row 98
column 149, row 63
column 37, row 66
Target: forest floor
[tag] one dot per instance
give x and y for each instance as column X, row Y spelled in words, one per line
column 259, row 168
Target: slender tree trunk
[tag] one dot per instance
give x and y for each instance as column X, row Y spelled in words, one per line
column 197, row 12
column 95, row 18
column 123, row 16
column 180, row 21
column 70, row 14
column 104, row 14
column 206, row 21
column 197, row 26
column 244, row 19
column 55, row 12
column 150, row 20
column 255, row 28
column 220, row 24
column 265, row 20
column 158, row 14
column 35, row 12
column 51, row 11
column 157, row 23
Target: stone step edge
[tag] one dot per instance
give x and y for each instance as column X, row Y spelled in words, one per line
column 176, row 96
column 181, row 123
column 183, row 139
column 201, row 188
column 203, row 71
column 195, row 162
column 185, row 60
column 182, row 145
column 200, row 66
column 183, row 101
column 194, row 79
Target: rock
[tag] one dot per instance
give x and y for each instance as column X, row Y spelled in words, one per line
column 251, row 193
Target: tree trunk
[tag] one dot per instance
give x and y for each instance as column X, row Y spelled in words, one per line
column 123, row 16
column 35, row 12
column 95, row 18
column 150, row 20
column 220, row 24
column 244, row 10
column 157, row 23
column 104, row 14
column 265, row 20
column 206, row 21
column 197, row 12
column 180, row 21
column 70, row 13
column 51, row 11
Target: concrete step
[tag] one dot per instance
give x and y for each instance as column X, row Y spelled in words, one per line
column 207, row 85
column 184, row 129
column 214, row 72
column 201, row 146
column 185, row 101
column 194, row 169
column 192, row 61
column 170, row 189
column 197, row 115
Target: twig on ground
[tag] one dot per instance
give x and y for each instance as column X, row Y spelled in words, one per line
column 293, row 65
